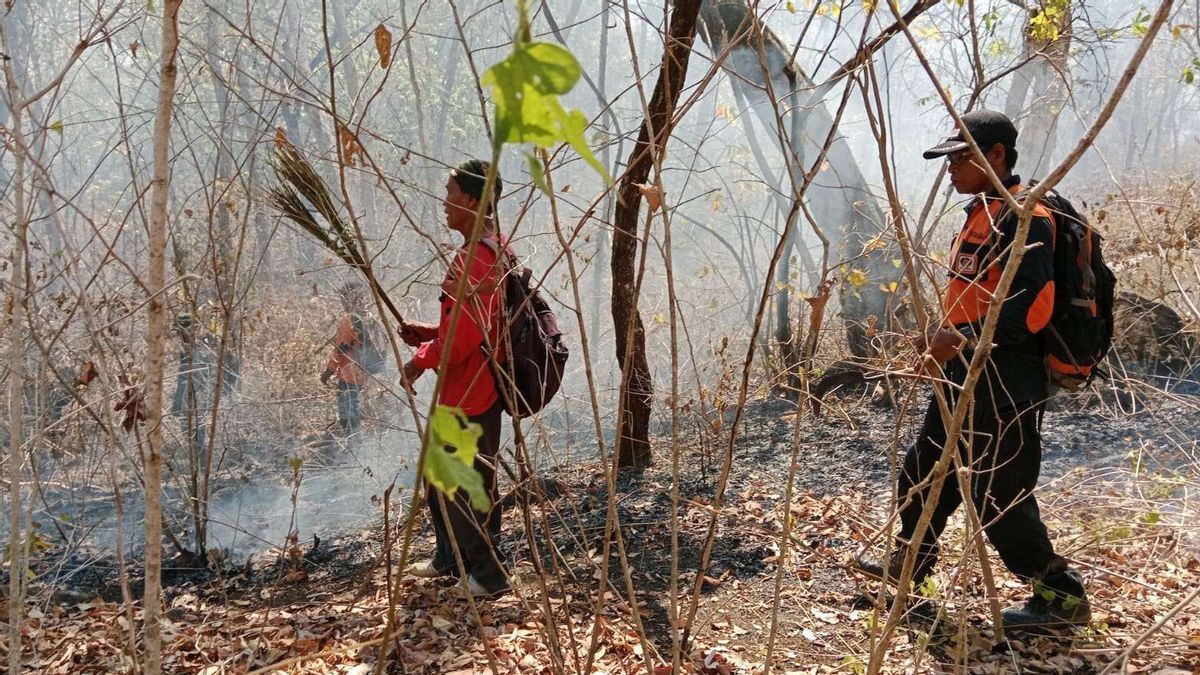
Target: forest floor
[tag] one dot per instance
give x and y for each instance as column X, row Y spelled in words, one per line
column 1117, row 492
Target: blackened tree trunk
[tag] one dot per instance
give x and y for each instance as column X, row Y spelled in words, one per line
column 637, row 389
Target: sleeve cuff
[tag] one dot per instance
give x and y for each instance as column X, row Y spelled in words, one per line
column 425, row 357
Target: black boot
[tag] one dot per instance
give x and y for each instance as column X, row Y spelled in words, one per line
column 1058, row 601
column 875, row 569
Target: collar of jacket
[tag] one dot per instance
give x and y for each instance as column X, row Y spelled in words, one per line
column 1008, row 183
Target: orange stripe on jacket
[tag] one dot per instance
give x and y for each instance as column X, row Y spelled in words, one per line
column 975, row 268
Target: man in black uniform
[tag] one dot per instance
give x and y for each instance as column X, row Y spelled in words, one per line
column 1001, row 440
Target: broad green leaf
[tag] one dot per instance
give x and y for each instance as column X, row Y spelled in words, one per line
column 450, row 452
column 57, row 127
column 525, row 90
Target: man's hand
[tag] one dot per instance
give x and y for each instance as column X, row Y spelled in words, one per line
column 942, row 344
column 413, row 333
column 409, row 375
column 325, row 376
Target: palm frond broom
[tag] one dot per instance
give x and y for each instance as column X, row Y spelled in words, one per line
column 299, row 192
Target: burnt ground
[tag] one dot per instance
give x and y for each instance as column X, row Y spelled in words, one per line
column 1106, row 470
column 842, row 489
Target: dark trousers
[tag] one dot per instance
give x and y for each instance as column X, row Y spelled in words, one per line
column 475, row 533
column 347, row 405
column 1003, row 449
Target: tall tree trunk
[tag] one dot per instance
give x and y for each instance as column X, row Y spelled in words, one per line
column 839, row 199
column 412, row 79
column 1038, row 92
column 156, row 337
column 18, row 292
column 220, row 238
column 602, row 244
column 291, row 37
column 14, row 44
column 786, row 342
column 637, row 389
column 448, row 54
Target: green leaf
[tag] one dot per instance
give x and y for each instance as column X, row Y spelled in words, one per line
column 57, row 127
column 537, row 173
column 1189, row 71
column 450, row 449
column 525, row 89
column 1044, row 591
column 929, row 588
column 1141, row 22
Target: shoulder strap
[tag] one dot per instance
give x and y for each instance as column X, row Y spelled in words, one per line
column 1020, row 196
column 501, row 253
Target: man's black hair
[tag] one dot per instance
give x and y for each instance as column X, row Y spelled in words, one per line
column 1010, row 156
column 471, row 177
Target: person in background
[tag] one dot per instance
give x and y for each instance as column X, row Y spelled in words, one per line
column 196, row 380
column 467, row 380
column 343, row 365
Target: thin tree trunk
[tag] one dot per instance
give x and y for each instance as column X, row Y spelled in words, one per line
column 1038, row 92
column 605, row 158
column 156, row 337
column 787, row 344
column 16, row 383
column 450, row 68
column 16, row 310
column 637, row 389
column 220, row 237
column 412, row 79
column 291, row 36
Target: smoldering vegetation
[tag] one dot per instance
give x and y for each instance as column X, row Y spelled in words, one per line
column 751, row 121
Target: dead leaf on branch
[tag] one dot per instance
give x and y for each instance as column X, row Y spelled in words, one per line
column 87, row 373
column 818, row 301
column 131, row 402
column 350, row 145
column 653, row 195
column 383, row 45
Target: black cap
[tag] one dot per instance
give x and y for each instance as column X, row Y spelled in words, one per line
column 471, row 176
column 987, row 127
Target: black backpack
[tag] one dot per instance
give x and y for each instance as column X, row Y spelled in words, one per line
column 532, row 373
column 1081, row 329
column 370, row 356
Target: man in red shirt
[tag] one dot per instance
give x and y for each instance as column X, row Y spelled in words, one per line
column 467, row 380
